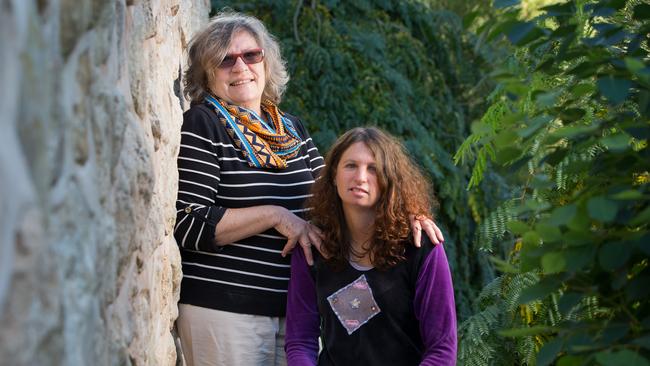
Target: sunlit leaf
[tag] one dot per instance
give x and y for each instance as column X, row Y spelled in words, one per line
column 531, row 238
column 580, row 222
column 570, row 360
column 508, row 154
column 553, row 262
column 515, row 88
column 577, row 238
column 563, row 214
column 549, row 233
column 505, row 138
column 503, row 266
column 479, row 128
column 517, row 227
column 469, row 18
column 582, row 89
column 529, row 256
column 528, row 331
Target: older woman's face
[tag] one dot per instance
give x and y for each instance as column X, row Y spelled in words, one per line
column 242, row 84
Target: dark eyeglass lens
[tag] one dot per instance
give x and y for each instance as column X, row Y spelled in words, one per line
column 228, row 61
column 250, row 57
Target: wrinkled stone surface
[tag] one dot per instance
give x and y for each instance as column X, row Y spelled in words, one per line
column 89, row 270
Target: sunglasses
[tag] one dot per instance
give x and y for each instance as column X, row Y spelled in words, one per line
column 249, row 57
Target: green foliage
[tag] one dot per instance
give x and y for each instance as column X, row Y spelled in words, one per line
column 493, row 227
column 569, row 127
column 498, row 301
column 406, row 66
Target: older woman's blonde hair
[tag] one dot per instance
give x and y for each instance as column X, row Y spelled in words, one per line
column 210, row 45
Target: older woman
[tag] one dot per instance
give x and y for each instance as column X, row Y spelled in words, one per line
column 245, row 169
column 374, row 298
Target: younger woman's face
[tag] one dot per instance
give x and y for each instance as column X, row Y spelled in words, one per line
column 356, row 178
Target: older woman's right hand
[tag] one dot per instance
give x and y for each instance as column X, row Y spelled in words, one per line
column 298, row 231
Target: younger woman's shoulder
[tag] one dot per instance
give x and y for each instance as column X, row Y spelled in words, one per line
column 426, row 246
column 417, row 256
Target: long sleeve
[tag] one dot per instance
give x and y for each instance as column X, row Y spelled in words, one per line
column 435, row 309
column 198, row 182
column 303, row 320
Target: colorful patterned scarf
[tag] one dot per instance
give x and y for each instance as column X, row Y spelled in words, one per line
column 264, row 146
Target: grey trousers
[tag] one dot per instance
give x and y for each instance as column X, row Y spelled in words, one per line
column 219, row 338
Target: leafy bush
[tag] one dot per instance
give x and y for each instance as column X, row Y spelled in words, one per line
column 569, row 126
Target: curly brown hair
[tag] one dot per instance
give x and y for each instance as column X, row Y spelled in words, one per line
column 403, row 191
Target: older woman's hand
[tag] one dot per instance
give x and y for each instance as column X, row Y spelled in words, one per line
column 418, row 223
column 298, row 231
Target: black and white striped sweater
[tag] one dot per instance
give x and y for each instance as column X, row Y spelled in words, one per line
column 249, row 276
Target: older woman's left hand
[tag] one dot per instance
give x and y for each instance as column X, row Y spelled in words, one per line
column 419, row 223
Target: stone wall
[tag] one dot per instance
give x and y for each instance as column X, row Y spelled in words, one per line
column 91, row 112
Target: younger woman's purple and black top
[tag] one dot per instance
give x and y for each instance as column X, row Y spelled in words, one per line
column 414, row 324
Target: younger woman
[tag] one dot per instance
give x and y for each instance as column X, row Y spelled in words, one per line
column 373, row 297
